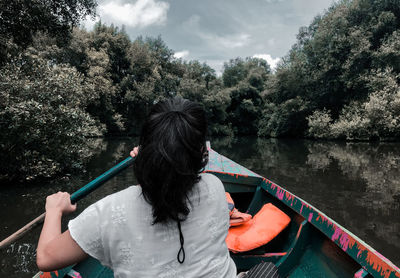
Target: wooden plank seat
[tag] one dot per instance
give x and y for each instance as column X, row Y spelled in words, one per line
column 261, row 270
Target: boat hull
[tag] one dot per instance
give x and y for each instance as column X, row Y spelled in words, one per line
column 313, row 245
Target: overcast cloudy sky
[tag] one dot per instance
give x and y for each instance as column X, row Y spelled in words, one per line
column 214, row 31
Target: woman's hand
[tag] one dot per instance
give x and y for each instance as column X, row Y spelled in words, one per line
column 60, row 202
column 56, row 250
column 134, row 152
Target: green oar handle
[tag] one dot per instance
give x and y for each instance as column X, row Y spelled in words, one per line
column 76, row 196
column 100, row 180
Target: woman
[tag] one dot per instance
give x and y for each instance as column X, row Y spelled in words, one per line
column 173, row 225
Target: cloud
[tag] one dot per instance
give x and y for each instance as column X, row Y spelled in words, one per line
column 181, row 54
column 233, row 41
column 89, row 22
column 271, row 61
column 142, row 13
column 273, row 1
column 228, row 41
column 193, row 21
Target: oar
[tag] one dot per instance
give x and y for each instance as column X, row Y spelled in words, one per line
column 75, row 197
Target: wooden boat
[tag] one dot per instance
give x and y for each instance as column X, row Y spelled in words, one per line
column 312, row 245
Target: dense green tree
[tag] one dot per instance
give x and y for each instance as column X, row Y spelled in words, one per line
column 234, row 72
column 239, row 69
column 102, row 107
column 332, row 62
column 43, row 121
column 116, row 43
column 377, row 117
column 196, row 80
column 246, row 80
column 94, row 64
column 20, row 20
column 284, row 120
column 216, row 103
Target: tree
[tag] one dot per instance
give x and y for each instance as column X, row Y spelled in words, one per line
column 329, row 66
column 238, row 69
column 195, row 81
column 43, row 122
column 20, row 20
column 116, row 43
column 93, row 64
column 246, row 80
column 287, row 119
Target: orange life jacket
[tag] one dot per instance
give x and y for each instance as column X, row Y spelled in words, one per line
column 258, row 231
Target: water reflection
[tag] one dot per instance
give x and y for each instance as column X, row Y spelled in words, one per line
column 377, row 165
column 356, row 184
column 373, row 192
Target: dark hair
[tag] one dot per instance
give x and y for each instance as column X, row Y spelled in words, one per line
column 171, row 156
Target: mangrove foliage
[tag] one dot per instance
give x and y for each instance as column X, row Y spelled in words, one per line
column 61, row 84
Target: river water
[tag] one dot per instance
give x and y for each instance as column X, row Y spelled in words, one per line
column 356, row 184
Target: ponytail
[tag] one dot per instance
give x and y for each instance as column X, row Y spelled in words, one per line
column 171, row 156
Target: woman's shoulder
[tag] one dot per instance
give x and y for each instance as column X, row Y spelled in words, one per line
column 118, row 198
column 213, row 185
column 210, row 179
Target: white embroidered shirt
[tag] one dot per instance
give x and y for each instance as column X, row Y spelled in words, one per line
column 117, row 231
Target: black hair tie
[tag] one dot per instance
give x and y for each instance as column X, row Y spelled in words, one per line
column 181, row 252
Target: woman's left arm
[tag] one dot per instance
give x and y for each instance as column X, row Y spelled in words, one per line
column 55, row 249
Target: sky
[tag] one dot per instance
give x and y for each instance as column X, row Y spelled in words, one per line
column 215, row 31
